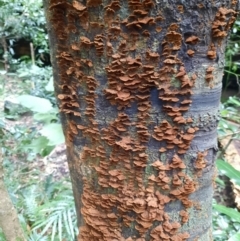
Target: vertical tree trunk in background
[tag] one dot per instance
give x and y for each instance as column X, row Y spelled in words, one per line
column 9, row 222
column 3, row 42
column 139, row 84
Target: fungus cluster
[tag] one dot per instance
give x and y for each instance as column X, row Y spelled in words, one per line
column 68, row 101
column 81, row 13
column 180, row 8
column 190, row 53
column 221, row 25
column 209, row 75
column 72, row 66
column 90, row 96
column 85, row 43
column 118, row 192
column 212, row 54
column 99, row 43
column 173, row 137
column 234, row 2
column 180, row 185
column 138, row 19
column 127, row 76
column 192, row 40
column 176, row 98
column 200, row 163
column 93, row 3
column 223, row 21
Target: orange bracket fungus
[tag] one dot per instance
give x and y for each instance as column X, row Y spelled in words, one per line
column 132, row 80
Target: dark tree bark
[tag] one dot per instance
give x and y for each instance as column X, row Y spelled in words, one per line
column 3, row 42
column 139, row 85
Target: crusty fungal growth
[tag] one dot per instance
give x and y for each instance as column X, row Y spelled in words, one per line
column 138, row 90
column 190, row 52
column 209, row 75
column 200, row 162
column 192, row 40
column 211, row 53
column 223, row 21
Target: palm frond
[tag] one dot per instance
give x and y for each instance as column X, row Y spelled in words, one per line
column 59, row 217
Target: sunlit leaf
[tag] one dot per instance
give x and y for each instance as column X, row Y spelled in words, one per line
column 234, row 101
column 233, row 214
column 53, row 132
column 38, row 144
column 35, row 104
column 222, row 222
column 54, row 229
column 229, row 171
column 70, row 223
column 49, row 86
column 46, row 117
column 60, row 227
column 235, row 237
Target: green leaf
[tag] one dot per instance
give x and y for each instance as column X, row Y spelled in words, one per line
column 60, row 227
column 54, row 228
column 38, row 145
column 35, row 104
column 220, row 182
column 229, row 171
column 2, row 124
column 235, row 237
column 45, row 223
column 223, row 222
column 2, row 236
column 54, row 134
column 23, row 74
column 70, row 222
column 46, row 117
column 2, row 72
column 49, row 86
column 233, row 214
column 47, row 150
column 67, row 223
column 234, row 101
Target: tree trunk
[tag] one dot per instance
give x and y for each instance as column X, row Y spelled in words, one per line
column 3, row 42
column 139, row 85
column 9, row 222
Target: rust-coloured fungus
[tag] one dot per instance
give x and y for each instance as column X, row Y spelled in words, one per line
column 209, row 75
column 200, row 163
column 223, row 21
column 118, row 190
column 192, row 40
column 158, row 29
column 180, row 8
column 190, row 53
column 78, row 6
column 93, row 3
